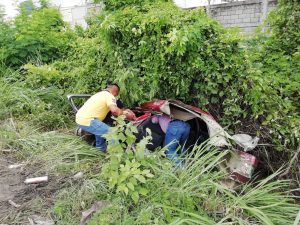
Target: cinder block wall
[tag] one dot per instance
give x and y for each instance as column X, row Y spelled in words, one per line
column 247, row 15
column 76, row 15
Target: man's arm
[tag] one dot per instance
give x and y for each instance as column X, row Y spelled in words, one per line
column 116, row 111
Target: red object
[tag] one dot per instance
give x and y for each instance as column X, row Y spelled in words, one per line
column 143, row 117
column 190, row 107
column 156, row 104
column 242, row 166
column 153, row 105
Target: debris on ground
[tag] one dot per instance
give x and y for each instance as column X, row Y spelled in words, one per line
column 229, row 184
column 38, row 220
column 242, row 166
column 245, row 141
column 78, row 175
column 96, row 207
column 16, row 166
column 36, row 180
column 8, row 150
column 31, row 198
column 11, row 202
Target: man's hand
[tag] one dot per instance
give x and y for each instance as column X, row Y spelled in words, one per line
column 118, row 112
column 129, row 115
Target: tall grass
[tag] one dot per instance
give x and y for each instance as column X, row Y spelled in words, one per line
column 46, row 151
column 194, row 195
column 46, row 107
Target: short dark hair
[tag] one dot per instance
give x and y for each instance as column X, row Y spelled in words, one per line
column 113, row 84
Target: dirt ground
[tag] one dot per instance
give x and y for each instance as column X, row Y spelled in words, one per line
column 32, row 200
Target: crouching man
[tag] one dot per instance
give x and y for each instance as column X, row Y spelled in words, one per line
column 91, row 115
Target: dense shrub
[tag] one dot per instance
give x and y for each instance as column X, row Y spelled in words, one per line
column 274, row 94
column 41, row 36
column 117, row 4
column 169, row 52
column 176, row 53
column 6, row 36
column 161, row 51
column 275, row 76
column 285, row 26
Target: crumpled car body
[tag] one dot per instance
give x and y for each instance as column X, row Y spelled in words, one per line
column 203, row 128
column 202, row 123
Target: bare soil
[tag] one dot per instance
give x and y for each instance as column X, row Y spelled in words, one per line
column 33, row 199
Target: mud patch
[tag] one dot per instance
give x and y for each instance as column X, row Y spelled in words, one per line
column 34, row 199
column 10, row 181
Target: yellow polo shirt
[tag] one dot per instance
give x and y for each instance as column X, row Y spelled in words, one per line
column 96, row 106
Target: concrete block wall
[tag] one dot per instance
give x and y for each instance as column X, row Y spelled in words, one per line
column 247, row 15
column 76, row 15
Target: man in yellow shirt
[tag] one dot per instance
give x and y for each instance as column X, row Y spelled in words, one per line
column 90, row 116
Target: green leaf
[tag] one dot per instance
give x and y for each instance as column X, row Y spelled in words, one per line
column 122, row 188
column 150, row 175
column 130, row 186
column 135, row 196
column 140, row 178
column 133, row 181
column 143, row 191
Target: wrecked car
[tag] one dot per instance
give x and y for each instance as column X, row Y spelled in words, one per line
column 204, row 127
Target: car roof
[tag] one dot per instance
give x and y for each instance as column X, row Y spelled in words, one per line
column 159, row 105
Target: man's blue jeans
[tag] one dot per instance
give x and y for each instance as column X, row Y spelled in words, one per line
column 98, row 128
column 177, row 134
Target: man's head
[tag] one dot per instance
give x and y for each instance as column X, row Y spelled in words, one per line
column 113, row 89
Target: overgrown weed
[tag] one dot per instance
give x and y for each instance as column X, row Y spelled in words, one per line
column 47, row 151
column 189, row 195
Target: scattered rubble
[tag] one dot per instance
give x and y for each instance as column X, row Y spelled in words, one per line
column 38, row 220
column 36, row 180
column 78, row 175
column 96, row 207
column 13, row 204
column 16, row 166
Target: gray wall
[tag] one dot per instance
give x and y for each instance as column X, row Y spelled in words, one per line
column 247, row 15
column 76, row 15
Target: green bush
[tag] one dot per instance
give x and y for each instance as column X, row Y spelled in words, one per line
column 274, row 94
column 173, row 53
column 274, row 75
column 117, row 4
column 127, row 173
column 169, row 52
column 41, row 36
column 161, row 51
column 7, row 34
column 284, row 22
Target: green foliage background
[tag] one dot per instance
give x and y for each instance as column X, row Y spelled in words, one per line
column 156, row 50
column 41, row 36
column 275, row 63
